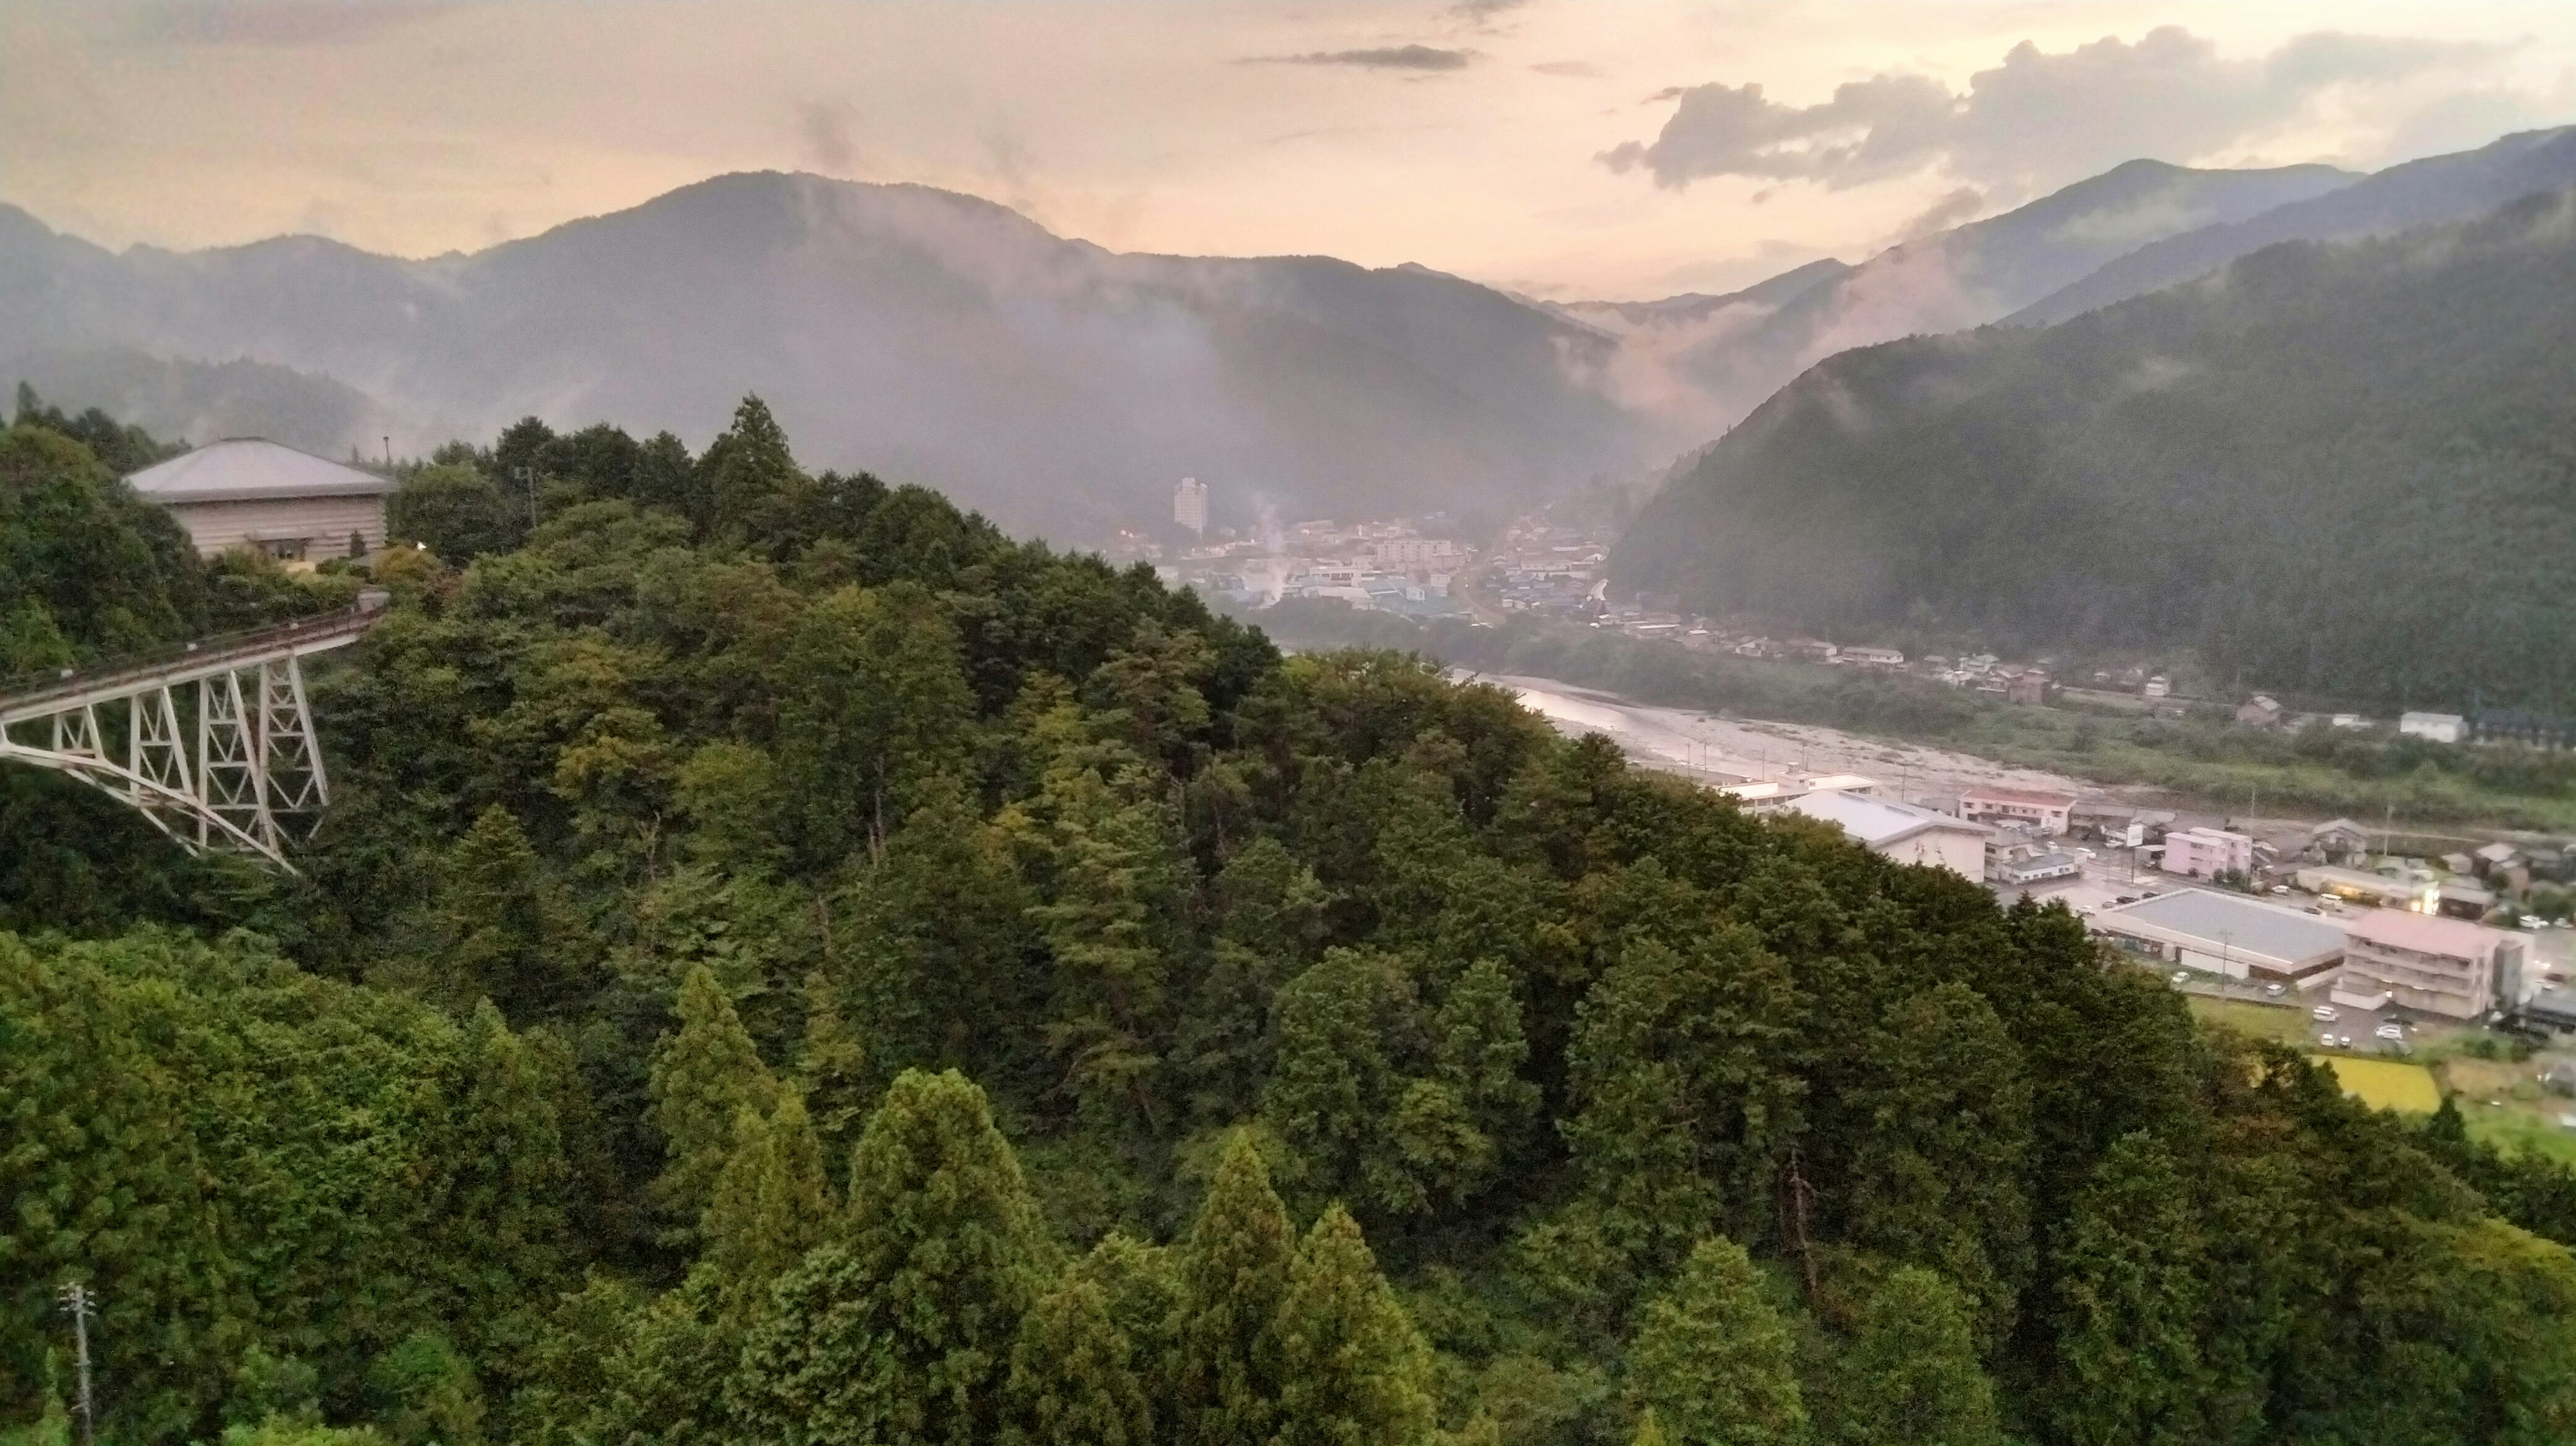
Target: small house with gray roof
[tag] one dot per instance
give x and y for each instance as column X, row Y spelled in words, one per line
column 255, row 493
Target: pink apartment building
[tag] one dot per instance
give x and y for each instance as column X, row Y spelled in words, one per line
column 2205, row 853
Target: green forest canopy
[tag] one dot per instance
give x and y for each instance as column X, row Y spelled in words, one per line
column 2342, row 471
column 787, row 963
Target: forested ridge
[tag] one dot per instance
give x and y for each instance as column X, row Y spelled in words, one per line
column 785, row 962
column 2341, row 471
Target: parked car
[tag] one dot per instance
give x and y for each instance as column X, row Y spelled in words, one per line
column 2182, row 976
column 2389, row 1031
column 2274, row 990
column 2534, row 921
column 2280, row 888
column 2324, row 1014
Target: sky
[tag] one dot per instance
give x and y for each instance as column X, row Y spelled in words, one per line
column 1562, row 148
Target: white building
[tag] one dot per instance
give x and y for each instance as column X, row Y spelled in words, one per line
column 2048, row 812
column 255, row 493
column 1189, row 505
column 2225, row 934
column 2432, row 964
column 1900, row 831
column 2440, row 727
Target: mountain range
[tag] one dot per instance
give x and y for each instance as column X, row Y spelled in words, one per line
column 1064, row 388
column 2342, row 470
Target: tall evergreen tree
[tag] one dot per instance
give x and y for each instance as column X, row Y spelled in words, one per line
column 1073, row 1380
column 1911, row 1377
column 874, row 706
column 1712, row 1359
column 770, row 1204
column 901, row 1330
column 1234, row 1276
column 2130, row 1297
column 704, row 1075
column 1352, row 1369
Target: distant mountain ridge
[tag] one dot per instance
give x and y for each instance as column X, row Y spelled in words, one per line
column 2417, row 193
column 2341, row 470
column 1714, row 359
column 931, row 336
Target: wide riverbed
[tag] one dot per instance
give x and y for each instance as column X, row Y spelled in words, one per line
column 1719, row 750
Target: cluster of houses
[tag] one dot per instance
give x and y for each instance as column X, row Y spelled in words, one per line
column 2421, row 944
column 1543, row 568
column 1390, row 566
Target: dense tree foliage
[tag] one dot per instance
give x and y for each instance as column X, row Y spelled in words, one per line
column 2335, row 470
column 786, row 963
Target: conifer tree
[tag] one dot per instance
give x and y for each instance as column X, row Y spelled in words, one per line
column 901, row 1329
column 2131, row 1297
column 1234, row 1276
column 770, row 1203
column 1911, row 1376
column 1352, row 1369
column 1713, row 1360
column 704, row 1074
column 1648, row 1432
column 1073, row 1380
column 832, row 1067
column 499, row 926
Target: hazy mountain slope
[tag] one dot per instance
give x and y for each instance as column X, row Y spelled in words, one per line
column 936, row 337
column 2341, row 470
column 1712, row 365
column 2418, row 193
column 201, row 401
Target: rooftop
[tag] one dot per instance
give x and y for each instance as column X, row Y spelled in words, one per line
column 2232, row 921
column 2037, row 796
column 2426, row 933
column 242, row 469
column 1875, row 821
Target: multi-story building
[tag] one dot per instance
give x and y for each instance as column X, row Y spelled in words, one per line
column 1190, row 505
column 2046, row 811
column 2429, row 963
column 2206, row 853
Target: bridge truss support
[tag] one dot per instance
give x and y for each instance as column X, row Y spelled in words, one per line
column 216, row 746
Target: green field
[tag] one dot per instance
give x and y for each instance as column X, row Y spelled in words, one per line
column 2512, row 1129
column 2385, row 1084
column 2260, row 1021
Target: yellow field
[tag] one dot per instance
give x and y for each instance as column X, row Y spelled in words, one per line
column 2384, row 1084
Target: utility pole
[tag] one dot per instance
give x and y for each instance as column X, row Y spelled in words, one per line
column 78, row 1300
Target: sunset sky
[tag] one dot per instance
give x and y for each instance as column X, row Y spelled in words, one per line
column 1617, row 148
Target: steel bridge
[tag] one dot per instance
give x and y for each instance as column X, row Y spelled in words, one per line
column 226, row 764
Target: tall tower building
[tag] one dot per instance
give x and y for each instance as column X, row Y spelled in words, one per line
column 1189, row 505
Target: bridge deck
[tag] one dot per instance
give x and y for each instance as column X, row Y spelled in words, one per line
column 37, row 697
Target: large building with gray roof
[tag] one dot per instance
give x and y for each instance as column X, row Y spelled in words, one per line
column 255, row 493
column 2226, row 934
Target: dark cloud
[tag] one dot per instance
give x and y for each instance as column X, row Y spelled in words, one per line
column 2035, row 120
column 824, row 128
column 1486, row 9
column 1426, row 58
column 1582, row 68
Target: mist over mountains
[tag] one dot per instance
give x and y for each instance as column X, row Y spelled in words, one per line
column 2340, row 469
column 925, row 335
column 1063, row 388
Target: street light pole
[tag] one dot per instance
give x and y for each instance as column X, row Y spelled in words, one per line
column 78, row 1300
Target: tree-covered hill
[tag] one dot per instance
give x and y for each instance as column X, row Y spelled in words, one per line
column 787, row 963
column 2344, row 471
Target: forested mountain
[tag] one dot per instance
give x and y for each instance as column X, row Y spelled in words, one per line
column 940, row 338
column 204, row 401
column 1714, row 359
column 2427, row 192
column 786, row 963
column 2343, row 471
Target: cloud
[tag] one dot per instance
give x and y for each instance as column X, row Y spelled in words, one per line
column 2036, row 120
column 1424, row 58
column 824, row 129
column 1582, row 68
column 1954, row 207
column 1486, row 9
